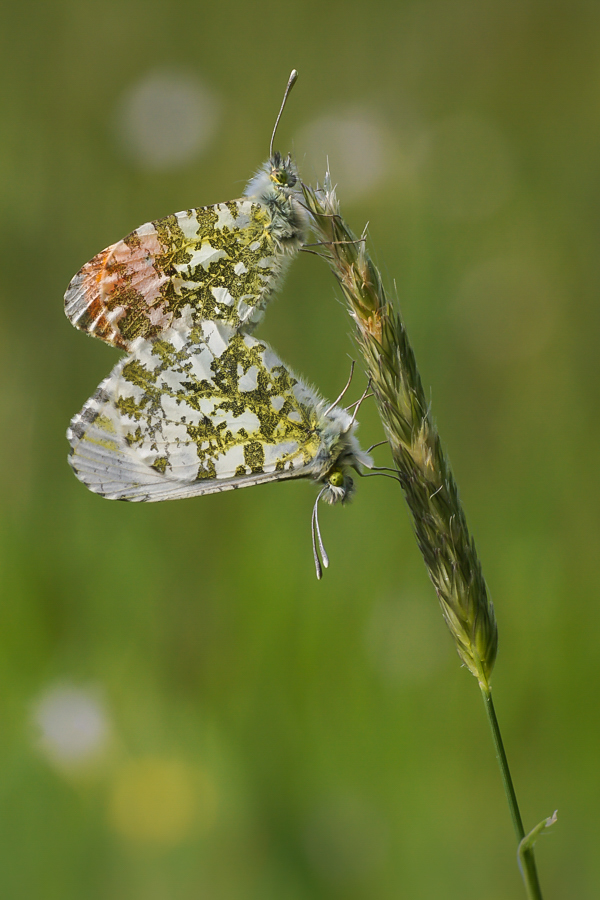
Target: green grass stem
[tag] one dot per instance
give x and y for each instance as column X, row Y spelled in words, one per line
column 423, row 470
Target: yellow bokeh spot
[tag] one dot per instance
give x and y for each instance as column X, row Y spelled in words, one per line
column 156, row 800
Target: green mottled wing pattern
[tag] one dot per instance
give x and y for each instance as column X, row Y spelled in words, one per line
column 217, row 262
column 190, row 414
column 198, row 405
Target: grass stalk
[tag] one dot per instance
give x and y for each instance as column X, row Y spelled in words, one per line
column 525, row 856
column 423, row 468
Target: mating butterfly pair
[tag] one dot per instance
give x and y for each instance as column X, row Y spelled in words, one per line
column 199, row 405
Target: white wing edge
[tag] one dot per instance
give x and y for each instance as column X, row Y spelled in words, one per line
column 105, row 477
column 107, row 466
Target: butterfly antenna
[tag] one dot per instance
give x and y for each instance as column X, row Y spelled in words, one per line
column 335, row 402
column 291, row 82
column 316, row 535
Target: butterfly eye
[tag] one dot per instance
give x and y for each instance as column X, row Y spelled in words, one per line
column 281, row 176
column 336, row 479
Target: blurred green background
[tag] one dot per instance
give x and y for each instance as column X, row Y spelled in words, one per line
column 185, row 711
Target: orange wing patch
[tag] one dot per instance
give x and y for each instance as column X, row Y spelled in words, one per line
column 117, row 295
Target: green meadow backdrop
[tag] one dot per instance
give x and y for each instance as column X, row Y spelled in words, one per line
column 185, row 712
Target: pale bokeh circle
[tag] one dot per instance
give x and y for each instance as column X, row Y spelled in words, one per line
column 166, row 119
column 353, row 143
column 72, row 724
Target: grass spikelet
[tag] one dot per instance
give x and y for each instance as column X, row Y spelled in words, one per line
column 423, row 468
column 425, row 475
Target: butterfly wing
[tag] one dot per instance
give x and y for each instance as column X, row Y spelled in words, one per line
column 194, row 413
column 216, row 262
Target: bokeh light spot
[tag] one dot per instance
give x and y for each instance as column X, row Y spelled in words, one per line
column 353, row 143
column 73, row 725
column 165, row 119
column 155, row 800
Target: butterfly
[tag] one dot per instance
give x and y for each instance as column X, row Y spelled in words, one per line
column 199, row 405
column 220, row 262
column 206, row 410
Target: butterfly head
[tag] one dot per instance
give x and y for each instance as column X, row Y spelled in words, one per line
column 340, row 454
column 338, row 485
column 275, row 181
column 275, row 188
column 283, row 172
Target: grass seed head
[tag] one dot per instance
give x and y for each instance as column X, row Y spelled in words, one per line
column 423, row 469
